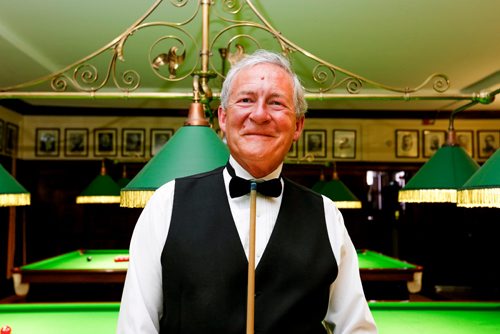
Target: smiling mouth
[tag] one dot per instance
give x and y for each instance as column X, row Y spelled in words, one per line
column 258, row 135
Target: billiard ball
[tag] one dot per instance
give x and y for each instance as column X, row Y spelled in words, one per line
column 5, row 330
column 89, row 258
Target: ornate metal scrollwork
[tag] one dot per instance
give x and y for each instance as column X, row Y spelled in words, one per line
column 175, row 55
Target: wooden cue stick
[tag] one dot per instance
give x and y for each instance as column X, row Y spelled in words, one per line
column 251, row 261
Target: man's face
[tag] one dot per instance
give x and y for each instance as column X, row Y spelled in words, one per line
column 260, row 122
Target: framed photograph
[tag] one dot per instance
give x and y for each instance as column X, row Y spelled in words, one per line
column 76, row 142
column 159, row 137
column 407, row 144
column 315, row 143
column 47, row 142
column 293, row 152
column 487, row 143
column 1, row 135
column 344, row 144
column 133, row 142
column 433, row 140
column 105, row 142
column 465, row 139
column 11, row 138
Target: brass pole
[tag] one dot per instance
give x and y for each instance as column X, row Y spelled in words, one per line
column 11, row 238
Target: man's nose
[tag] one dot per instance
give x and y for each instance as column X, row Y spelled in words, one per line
column 260, row 113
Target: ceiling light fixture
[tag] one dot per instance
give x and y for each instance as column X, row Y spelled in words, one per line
column 12, row 193
column 337, row 191
column 443, row 174
column 483, row 188
column 102, row 190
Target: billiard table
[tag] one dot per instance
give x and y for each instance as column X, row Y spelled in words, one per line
column 80, row 266
column 75, row 267
column 374, row 266
column 437, row 317
column 60, row 318
column 391, row 317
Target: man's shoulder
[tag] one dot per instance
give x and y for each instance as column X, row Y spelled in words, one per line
column 300, row 188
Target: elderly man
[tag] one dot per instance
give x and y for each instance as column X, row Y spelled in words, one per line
column 189, row 250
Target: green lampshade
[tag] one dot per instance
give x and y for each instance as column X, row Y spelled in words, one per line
column 319, row 185
column 191, row 150
column 12, row 193
column 102, row 190
column 338, row 192
column 439, row 178
column 483, row 188
column 124, row 180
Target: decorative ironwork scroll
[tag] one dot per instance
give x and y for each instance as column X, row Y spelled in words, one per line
column 174, row 56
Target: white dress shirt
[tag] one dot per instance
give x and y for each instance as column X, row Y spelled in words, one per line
column 141, row 306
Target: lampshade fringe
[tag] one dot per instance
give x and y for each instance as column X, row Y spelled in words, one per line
column 484, row 197
column 97, row 199
column 348, row 204
column 428, row 196
column 135, row 198
column 15, row 199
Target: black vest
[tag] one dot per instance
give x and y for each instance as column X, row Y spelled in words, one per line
column 205, row 268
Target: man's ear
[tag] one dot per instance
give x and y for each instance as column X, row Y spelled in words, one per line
column 222, row 118
column 299, row 126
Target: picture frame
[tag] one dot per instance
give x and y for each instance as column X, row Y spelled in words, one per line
column 465, row 139
column 1, row 134
column 407, row 143
column 293, row 152
column 432, row 141
column 76, row 142
column 315, row 143
column 47, row 142
column 487, row 143
column 105, row 142
column 11, row 138
column 344, row 144
column 133, row 142
column 159, row 137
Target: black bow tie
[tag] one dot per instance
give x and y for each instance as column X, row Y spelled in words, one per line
column 239, row 186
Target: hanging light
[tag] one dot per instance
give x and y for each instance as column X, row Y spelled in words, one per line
column 442, row 175
column 337, row 191
column 483, row 188
column 194, row 148
column 12, row 193
column 439, row 178
column 102, row 190
column 320, row 184
column 124, row 180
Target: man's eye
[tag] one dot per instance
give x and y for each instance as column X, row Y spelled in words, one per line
column 245, row 100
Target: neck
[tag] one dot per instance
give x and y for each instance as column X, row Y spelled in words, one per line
column 255, row 172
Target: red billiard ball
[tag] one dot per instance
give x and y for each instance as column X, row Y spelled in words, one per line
column 5, row 330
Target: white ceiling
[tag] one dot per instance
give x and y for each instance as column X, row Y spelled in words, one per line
column 392, row 42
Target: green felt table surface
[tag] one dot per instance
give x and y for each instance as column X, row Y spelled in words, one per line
column 374, row 260
column 436, row 317
column 100, row 259
column 104, row 259
column 391, row 317
column 60, row 318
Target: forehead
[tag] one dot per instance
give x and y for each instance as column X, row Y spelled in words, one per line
column 263, row 75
